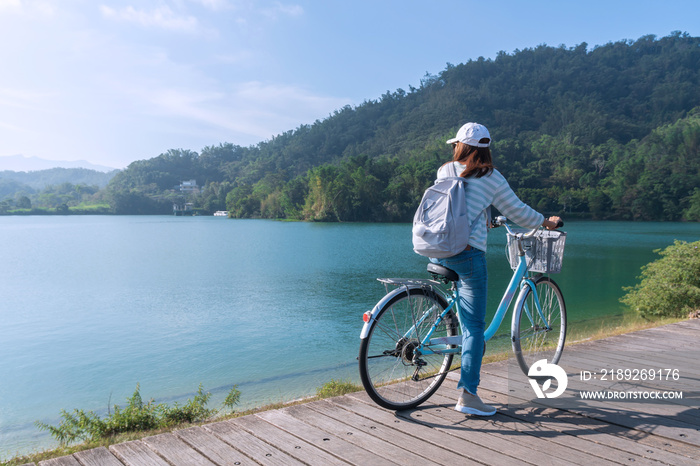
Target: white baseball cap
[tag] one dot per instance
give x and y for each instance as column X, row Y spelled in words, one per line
column 470, row 134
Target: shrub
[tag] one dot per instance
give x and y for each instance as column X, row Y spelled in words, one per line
column 670, row 286
column 336, row 388
column 136, row 416
column 233, row 397
column 194, row 410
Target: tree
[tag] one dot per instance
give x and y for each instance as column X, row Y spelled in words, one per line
column 692, row 213
column 610, row 132
column 23, row 202
column 670, row 286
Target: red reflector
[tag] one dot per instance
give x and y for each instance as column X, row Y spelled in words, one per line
column 365, row 316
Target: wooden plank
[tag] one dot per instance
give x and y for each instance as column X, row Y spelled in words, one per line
column 650, row 424
column 662, row 342
column 175, row 451
column 688, row 385
column 611, row 435
column 461, row 439
column 507, row 434
column 648, row 350
column 656, row 359
column 391, row 435
column 689, row 328
column 97, row 457
column 62, row 461
column 212, row 447
column 646, row 438
column 611, row 356
column 330, row 443
column 678, row 415
column 362, row 439
column 473, row 439
column 555, row 444
column 294, row 447
column 646, row 344
column 675, row 407
column 601, row 442
column 690, row 325
column 137, row 453
column 353, row 429
column 251, row 446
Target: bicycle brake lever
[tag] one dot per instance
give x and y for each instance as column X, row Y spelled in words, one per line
column 498, row 221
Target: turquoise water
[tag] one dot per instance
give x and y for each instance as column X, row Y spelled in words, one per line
column 91, row 306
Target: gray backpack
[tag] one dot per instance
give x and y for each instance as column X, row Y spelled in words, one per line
column 440, row 225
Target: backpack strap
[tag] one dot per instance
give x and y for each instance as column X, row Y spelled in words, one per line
column 451, row 178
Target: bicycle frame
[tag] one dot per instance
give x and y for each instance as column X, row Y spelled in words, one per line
column 452, row 345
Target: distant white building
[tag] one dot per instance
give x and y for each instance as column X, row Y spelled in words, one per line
column 189, row 186
column 184, row 209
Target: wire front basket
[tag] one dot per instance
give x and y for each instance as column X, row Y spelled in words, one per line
column 544, row 251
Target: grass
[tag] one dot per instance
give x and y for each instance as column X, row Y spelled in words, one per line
column 197, row 405
column 627, row 325
column 329, row 389
column 82, row 209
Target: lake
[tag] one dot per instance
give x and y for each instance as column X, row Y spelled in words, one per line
column 92, row 306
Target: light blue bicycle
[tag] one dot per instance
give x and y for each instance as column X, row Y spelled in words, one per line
column 411, row 336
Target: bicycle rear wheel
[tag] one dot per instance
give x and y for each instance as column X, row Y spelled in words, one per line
column 535, row 338
column 395, row 371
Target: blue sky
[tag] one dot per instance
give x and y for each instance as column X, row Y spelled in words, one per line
column 112, row 81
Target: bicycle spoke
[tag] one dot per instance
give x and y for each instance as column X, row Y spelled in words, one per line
column 395, row 370
column 533, row 337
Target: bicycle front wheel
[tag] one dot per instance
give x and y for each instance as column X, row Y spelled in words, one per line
column 397, row 371
column 539, row 324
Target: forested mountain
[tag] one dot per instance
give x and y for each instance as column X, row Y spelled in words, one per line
column 40, row 179
column 52, row 188
column 610, row 132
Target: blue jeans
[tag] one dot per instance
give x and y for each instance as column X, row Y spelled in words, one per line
column 471, row 268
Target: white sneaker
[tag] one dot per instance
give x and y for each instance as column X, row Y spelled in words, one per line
column 472, row 404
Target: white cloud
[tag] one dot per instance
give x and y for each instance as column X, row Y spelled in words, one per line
column 162, row 17
column 44, row 8
column 251, row 110
column 239, row 57
column 213, row 4
column 276, row 108
column 13, row 128
column 21, row 98
column 86, row 84
column 279, row 9
column 10, row 5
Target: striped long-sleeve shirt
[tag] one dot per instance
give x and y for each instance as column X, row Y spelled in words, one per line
column 491, row 190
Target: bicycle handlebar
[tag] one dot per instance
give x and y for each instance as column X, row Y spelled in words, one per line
column 502, row 221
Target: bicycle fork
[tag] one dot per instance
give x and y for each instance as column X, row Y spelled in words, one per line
column 538, row 307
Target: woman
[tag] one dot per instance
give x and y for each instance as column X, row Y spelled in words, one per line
column 486, row 187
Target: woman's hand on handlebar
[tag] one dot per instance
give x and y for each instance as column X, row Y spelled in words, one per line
column 552, row 223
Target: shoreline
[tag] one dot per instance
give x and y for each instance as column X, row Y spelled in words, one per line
column 604, row 332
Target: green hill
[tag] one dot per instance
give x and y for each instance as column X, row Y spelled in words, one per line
column 35, row 191
column 40, row 179
column 609, row 132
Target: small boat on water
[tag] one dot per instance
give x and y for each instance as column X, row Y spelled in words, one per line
column 221, row 213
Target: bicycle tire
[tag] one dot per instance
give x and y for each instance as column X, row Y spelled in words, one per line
column 389, row 373
column 532, row 341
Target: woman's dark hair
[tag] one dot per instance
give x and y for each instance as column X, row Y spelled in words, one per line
column 477, row 159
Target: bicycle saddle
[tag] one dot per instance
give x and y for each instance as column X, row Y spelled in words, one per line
column 437, row 269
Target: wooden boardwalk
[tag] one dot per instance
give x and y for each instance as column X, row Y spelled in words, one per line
column 353, row 430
